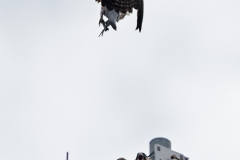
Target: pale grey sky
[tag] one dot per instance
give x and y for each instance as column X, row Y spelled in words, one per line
column 62, row 88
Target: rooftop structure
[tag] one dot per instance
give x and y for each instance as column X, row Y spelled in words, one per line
column 160, row 149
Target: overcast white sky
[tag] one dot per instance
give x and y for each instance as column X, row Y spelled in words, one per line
column 62, row 88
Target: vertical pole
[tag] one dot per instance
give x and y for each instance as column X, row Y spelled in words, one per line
column 67, row 155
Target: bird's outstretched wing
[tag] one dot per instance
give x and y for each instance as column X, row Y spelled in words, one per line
column 124, row 7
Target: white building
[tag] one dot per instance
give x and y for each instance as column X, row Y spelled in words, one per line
column 160, row 149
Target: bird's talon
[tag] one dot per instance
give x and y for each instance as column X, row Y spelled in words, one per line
column 104, row 30
column 101, row 33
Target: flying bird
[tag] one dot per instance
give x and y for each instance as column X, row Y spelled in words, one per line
column 116, row 10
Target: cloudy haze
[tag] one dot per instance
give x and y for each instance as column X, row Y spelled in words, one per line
column 62, row 88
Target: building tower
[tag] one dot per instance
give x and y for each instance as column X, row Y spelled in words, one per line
column 160, row 149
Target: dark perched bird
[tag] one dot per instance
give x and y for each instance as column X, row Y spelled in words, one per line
column 140, row 156
column 174, row 157
column 116, row 10
column 121, row 158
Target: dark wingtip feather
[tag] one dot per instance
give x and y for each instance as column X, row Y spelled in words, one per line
column 140, row 15
column 139, row 28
